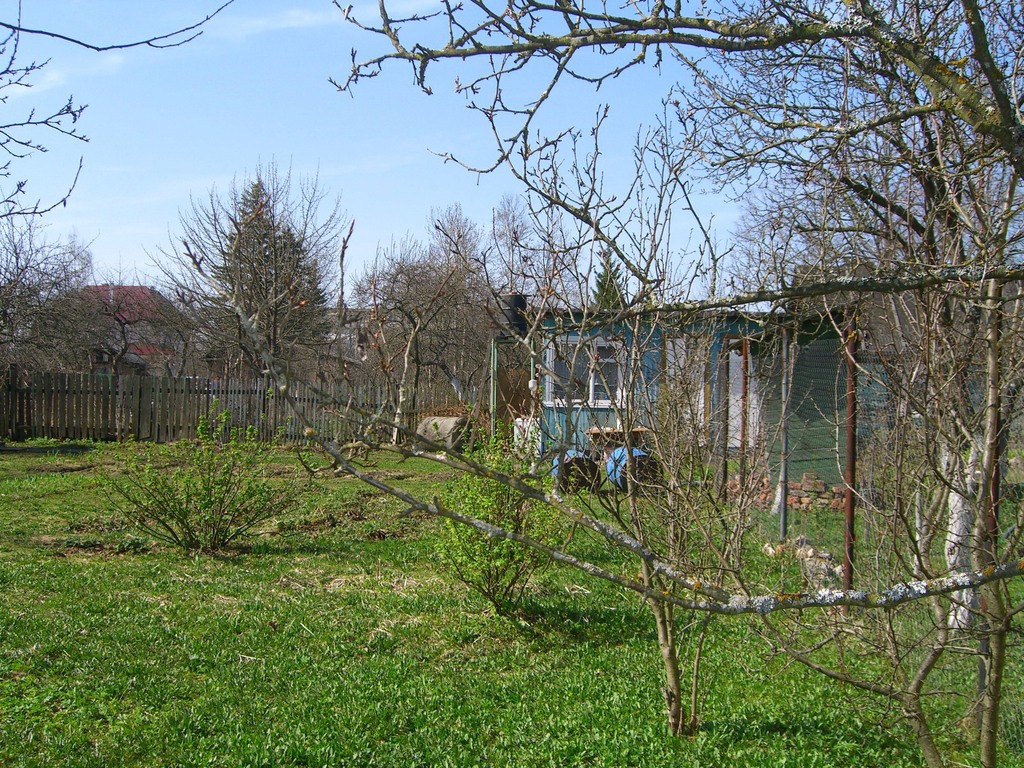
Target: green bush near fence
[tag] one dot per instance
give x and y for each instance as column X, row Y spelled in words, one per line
column 201, row 494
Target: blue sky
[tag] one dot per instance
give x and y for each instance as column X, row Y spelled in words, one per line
column 164, row 125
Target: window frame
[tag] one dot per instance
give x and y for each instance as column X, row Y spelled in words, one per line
column 596, row 353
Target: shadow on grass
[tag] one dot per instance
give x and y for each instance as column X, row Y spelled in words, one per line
column 63, row 449
column 586, row 621
column 278, row 546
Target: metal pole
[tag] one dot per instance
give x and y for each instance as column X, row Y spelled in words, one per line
column 784, row 464
column 494, row 385
column 725, row 392
column 744, row 406
column 850, row 500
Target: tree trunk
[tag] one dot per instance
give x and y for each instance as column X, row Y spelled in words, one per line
column 994, row 662
column 995, row 623
column 664, row 619
column 915, row 714
column 408, row 362
column 960, row 529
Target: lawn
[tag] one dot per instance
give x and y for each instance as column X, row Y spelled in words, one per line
column 335, row 638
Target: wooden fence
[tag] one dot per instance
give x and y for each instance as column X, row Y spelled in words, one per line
column 84, row 406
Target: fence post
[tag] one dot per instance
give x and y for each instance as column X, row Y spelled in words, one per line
column 784, row 418
column 9, row 427
column 850, row 499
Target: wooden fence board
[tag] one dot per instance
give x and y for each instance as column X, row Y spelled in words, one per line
column 107, row 407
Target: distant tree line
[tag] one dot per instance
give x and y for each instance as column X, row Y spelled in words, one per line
column 421, row 312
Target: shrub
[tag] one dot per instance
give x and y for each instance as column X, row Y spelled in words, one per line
column 498, row 569
column 201, row 494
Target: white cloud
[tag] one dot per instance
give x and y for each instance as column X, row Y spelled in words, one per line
column 52, row 76
column 109, row 63
column 46, row 79
column 397, row 9
column 236, row 28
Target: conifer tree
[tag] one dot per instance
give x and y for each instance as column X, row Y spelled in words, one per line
column 277, row 281
column 276, row 255
column 609, row 288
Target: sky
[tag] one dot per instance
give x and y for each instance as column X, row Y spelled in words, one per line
column 165, row 126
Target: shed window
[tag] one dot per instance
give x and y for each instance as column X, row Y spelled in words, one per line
column 583, row 372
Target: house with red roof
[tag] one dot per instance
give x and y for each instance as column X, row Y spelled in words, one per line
column 132, row 329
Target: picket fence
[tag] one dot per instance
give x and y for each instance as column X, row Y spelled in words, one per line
column 88, row 406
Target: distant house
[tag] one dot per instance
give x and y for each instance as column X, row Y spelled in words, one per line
column 129, row 329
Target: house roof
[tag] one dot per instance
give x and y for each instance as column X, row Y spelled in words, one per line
column 128, row 303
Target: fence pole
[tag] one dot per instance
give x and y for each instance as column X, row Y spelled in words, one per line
column 744, row 406
column 850, row 499
column 784, row 463
column 494, row 385
column 10, row 428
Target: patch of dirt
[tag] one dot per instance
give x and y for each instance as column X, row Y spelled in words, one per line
column 69, row 544
column 49, row 541
column 392, row 475
column 300, row 582
column 344, row 582
column 445, row 475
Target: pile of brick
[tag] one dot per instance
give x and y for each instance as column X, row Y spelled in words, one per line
column 810, row 492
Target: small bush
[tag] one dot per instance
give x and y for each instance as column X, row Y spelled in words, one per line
column 201, row 494
column 498, row 569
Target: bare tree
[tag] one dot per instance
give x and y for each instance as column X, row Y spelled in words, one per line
column 908, row 187
column 35, row 275
column 39, row 279
column 972, row 73
column 276, row 245
column 430, row 311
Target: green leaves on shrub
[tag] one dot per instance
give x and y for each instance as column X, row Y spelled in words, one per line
column 497, row 569
column 201, row 494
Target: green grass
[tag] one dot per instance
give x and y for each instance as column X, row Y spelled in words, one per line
column 332, row 638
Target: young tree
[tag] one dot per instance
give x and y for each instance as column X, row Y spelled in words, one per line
column 609, row 291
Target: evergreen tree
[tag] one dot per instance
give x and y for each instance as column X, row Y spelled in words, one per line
column 277, row 281
column 268, row 246
column 609, row 288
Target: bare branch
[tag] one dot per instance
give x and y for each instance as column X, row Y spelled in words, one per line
column 173, row 39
